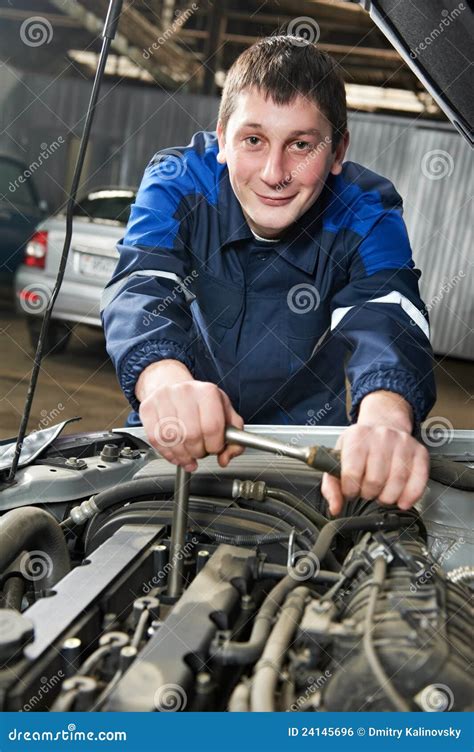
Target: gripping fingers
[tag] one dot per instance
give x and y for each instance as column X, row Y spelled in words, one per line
column 232, row 419
column 231, row 451
column 332, row 492
column 417, row 481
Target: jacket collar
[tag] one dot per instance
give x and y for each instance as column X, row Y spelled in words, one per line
column 299, row 244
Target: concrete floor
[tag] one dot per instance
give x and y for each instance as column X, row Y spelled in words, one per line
column 82, row 382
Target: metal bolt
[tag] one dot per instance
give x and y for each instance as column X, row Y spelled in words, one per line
column 154, row 627
column 246, row 602
column 128, row 453
column 76, row 463
column 71, row 653
column 127, row 656
column 71, row 642
column 202, row 558
column 109, row 621
column 203, row 679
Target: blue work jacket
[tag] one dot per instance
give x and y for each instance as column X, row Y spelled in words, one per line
column 278, row 326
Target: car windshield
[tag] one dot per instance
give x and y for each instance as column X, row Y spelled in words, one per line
column 110, row 205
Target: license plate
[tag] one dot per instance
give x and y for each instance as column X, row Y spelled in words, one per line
column 95, row 266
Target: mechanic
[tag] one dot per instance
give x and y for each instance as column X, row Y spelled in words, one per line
column 259, row 271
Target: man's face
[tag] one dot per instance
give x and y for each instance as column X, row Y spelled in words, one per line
column 278, row 157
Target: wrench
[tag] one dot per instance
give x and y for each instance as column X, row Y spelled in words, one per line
column 318, row 457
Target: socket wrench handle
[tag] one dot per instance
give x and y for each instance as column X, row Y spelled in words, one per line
column 318, row 457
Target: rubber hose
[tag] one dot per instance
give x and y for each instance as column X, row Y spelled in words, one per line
column 199, row 486
column 33, row 529
column 246, row 540
column 267, row 671
column 243, row 653
column 149, row 487
column 453, row 474
column 140, row 512
column 239, row 699
column 269, row 570
column 288, row 498
column 13, row 593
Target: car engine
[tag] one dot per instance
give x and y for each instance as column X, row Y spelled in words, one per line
column 281, row 608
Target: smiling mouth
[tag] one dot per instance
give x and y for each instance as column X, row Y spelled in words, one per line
column 275, row 199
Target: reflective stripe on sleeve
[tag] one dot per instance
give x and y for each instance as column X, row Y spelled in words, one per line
column 110, row 292
column 393, row 297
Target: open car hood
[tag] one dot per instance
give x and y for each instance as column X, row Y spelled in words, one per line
column 435, row 38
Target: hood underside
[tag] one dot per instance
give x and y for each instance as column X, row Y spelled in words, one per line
column 435, row 38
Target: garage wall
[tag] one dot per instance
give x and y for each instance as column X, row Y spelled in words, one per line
column 429, row 164
column 130, row 124
column 432, row 169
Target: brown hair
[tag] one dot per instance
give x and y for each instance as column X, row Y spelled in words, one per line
column 283, row 67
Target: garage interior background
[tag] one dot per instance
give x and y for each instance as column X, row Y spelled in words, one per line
column 162, row 84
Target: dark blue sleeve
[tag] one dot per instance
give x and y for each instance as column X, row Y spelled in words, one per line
column 382, row 321
column 145, row 306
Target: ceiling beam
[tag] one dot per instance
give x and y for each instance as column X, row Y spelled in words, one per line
column 120, row 44
column 12, row 14
column 333, row 49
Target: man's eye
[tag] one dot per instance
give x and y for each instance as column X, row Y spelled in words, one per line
column 251, row 140
column 304, row 145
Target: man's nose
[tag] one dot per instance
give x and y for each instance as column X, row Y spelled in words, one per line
column 274, row 172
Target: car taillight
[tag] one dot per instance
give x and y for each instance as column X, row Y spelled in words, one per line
column 36, row 250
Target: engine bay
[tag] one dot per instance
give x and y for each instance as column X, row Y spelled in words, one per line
column 281, row 608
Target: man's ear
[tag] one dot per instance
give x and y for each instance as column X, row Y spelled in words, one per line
column 221, row 140
column 340, row 153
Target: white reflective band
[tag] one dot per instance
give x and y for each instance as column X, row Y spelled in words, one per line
column 110, row 292
column 391, row 297
column 338, row 315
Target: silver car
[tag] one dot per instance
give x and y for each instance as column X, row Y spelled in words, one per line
column 99, row 222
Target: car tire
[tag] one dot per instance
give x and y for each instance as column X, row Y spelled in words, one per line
column 57, row 336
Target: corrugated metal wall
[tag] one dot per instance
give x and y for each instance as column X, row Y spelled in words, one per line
column 432, row 170
column 430, row 166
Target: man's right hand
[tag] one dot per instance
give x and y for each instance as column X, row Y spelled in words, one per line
column 185, row 419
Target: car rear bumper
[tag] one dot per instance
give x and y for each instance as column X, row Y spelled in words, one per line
column 79, row 303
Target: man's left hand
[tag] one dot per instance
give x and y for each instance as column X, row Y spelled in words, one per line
column 380, row 459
